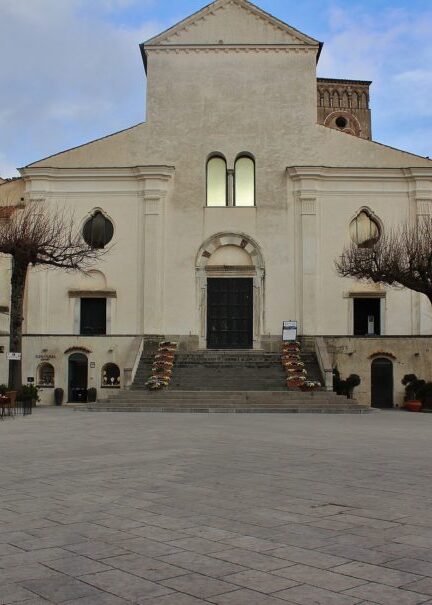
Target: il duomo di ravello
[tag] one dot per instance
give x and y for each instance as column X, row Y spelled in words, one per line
column 247, row 167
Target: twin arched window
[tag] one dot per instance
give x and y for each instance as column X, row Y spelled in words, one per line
column 231, row 187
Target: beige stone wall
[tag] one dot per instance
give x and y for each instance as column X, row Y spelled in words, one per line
column 151, row 181
column 354, row 356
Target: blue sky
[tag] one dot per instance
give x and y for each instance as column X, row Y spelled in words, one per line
column 71, row 70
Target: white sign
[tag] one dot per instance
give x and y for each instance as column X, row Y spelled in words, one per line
column 14, row 356
column 289, row 331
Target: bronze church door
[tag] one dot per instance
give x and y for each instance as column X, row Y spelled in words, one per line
column 230, row 313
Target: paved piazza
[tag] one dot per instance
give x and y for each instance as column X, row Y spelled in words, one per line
column 110, row 509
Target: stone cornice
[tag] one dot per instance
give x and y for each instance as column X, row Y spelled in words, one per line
column 231, row 48
column 313, row 173
column 162, row 172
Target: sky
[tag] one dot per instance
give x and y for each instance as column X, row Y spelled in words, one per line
column 71, row 70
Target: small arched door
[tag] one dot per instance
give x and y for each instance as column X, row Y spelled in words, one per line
column 382, row 383
column 78, row 375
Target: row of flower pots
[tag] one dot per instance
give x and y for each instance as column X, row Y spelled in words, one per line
column 295, row 368
column 162, row 366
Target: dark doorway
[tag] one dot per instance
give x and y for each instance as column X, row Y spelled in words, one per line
column 367, row 316
column 230, row 313
column 78, row 371
column 93, row 316
column 382, row 383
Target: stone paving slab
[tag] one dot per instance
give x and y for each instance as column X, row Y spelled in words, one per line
column 121, row 509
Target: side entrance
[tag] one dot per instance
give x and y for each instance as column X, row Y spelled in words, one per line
column 230, row 313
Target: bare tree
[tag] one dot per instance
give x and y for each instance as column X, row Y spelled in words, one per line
column 33, row 235
column 400, row 257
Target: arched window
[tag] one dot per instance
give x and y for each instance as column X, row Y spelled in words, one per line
column 216, row 181
column 364, row 230
column 354, row 100
column 98, row 231
column 344, row 100
column 336, row 102
column 45, row 375
column 111, row 376
column 244, row 182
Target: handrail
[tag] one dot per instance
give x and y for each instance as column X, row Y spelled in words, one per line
column 324, row 362
column 132, row 362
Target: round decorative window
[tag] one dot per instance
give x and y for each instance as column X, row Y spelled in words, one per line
column 364, row 230
column 98, row 231
column 341, row 122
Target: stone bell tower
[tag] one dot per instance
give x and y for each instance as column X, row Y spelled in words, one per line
column 344, row 105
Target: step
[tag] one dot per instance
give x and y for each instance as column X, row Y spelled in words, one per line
column 233, row 410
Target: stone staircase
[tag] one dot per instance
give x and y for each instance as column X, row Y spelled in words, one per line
column 226, row 381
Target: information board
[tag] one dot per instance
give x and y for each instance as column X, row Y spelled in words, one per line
column 289, row 331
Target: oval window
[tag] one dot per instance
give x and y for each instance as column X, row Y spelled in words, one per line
column 98, row 231
column 364, row 230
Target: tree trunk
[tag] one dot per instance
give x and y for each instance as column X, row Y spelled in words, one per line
column 18, row 281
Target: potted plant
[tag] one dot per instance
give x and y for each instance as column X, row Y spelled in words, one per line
column 91, row 395
column 352, row 382
column 58, row 396
column 424, row 394
column 28, row 396
column 412, row 388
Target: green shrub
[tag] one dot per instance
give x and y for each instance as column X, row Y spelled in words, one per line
column 27, row 392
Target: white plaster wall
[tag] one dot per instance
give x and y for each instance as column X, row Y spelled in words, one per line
column 262, row 101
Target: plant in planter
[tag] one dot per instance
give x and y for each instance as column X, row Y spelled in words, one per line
column 162, row 366
column 3, row 389
column 424, row 394
column 352, row 382
column 91, row 395
column 296, row 381
column 311, row 385
column 413, row 387
column 58, row 395
column 28, row 394
column 345, row 387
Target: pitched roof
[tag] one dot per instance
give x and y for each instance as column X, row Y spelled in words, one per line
column 216, row 19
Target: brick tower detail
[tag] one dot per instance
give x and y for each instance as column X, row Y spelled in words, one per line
column 344, row 105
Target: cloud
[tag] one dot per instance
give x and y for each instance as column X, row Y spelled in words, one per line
column 391, row 48
column 69, row 74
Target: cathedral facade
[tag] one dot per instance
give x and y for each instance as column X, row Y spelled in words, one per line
column 223, row 214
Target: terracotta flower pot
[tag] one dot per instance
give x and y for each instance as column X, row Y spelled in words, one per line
column 413, row 406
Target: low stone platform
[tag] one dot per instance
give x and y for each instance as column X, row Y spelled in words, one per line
column 235, row 402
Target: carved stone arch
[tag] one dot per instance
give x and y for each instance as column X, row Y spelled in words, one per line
column 255, row 270
column 352, row 127
column 229, row 239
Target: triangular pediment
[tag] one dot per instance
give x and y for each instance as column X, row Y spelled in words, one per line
column 231, row 22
